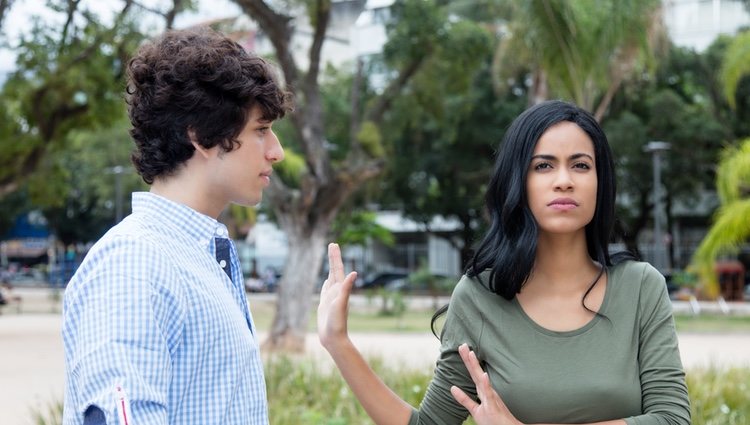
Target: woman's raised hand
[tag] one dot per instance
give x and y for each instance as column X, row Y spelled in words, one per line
column 490, row 410
column 334, row 300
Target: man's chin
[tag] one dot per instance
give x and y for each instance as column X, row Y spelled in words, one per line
column 253, row 202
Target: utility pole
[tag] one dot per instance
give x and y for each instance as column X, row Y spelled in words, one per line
column 656, row 149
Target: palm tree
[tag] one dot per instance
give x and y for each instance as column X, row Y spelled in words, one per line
column 582, row 50
column 736, row 65
column 731, row 225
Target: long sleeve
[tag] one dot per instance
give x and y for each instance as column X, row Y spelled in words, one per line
column 463, row 324
column 118, row 328
column 664, row 392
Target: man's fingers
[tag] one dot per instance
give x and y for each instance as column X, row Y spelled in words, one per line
column 463, row 399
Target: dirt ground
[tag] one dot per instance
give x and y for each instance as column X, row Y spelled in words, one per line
column 32, row 370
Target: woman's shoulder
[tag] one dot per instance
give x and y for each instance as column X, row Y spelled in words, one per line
column 472, row 285
column 637, row 275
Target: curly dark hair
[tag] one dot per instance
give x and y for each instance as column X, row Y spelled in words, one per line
column 194, row 81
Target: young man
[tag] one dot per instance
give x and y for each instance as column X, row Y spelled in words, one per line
column 156, row 327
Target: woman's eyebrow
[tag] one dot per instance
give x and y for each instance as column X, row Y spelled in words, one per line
column 548, row 157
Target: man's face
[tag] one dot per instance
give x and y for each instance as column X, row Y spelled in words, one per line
column 241, row 174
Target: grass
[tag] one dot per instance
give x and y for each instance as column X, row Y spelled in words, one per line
column 719, row 397
column 712, row 323
column 302, row 393
column 368, row 319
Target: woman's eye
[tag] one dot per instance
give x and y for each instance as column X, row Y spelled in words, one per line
column 582, row 165
column 542, row 166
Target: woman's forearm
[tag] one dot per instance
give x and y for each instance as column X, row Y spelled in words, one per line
column 379, row 401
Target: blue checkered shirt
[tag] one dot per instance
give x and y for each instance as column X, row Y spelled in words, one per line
column 152, row 320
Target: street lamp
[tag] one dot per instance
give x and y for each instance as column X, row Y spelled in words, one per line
column 660, row 258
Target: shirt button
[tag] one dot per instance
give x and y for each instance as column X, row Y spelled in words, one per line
column 220, row 232
column 223, row 263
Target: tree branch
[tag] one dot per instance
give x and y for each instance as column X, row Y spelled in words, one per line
column 322, row 16
column 277, row 28
column 394, row 88
column 4, row 9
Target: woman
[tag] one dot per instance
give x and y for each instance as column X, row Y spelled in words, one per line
column 565, row 333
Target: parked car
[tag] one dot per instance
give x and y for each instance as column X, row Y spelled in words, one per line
column 382, row 279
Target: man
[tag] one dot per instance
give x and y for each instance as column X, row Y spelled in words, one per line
column 156, row 326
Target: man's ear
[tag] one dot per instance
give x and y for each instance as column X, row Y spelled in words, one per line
column 201, row 150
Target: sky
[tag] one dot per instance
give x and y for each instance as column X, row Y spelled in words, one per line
column 21, row 13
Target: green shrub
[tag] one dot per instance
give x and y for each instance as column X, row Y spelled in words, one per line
column 301, row 392
column 719, row 396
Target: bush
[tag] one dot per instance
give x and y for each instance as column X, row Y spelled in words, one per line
column 301, row 392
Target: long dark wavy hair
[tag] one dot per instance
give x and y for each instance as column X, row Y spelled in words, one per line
column 508, row 249
column 199, row 81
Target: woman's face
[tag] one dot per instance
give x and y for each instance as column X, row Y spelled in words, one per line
column 561, row 181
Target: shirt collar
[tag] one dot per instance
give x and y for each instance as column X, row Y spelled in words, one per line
column 196, row 225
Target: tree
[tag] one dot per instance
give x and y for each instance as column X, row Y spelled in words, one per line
column 731, row 225
column 736, row 65
column 66, row 79
column 305, row 211
column 581, row 50
column 681, row 85
column 443, row 138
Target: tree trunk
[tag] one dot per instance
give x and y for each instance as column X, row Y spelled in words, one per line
column 295, row 291
column 538, row 92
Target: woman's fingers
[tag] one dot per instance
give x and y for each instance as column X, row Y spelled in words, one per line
column 335, row 264
column 464, row 399
column 472, row 365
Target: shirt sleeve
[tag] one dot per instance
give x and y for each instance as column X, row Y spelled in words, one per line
column 120, row 324
column 663, row 390
column 463, row 324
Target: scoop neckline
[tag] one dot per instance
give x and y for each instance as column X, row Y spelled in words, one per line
column 573, row 332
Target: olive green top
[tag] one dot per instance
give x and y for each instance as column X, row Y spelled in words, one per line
column 623, row 364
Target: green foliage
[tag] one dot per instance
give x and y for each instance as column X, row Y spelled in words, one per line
column 441, row 137
column 719, row 396
column 417, row 26
column 733, row 174
column 302, row 392
column 370, row 139
column 583, row 47
column 52, row 414
column 291, row 168
column 735, row 66
column 731, row 225
column 65, row 81
column 684, row 86
column 358, row 227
